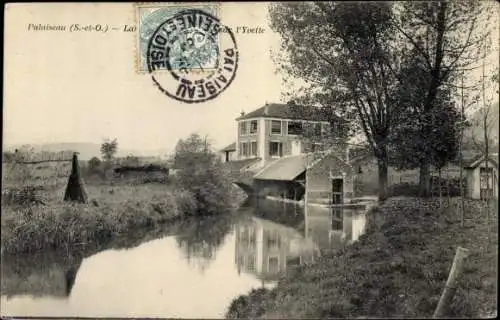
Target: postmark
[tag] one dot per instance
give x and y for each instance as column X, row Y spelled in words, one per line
column 199, row 53
column 149, row 16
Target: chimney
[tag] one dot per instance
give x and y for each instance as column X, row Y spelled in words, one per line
column 242, row 113
column 266, row 109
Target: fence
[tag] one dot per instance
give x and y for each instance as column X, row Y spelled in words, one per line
column 26, row 189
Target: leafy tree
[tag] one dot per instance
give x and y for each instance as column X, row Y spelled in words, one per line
column 192, row 151
column 446, row 38
column 439, row 126
column 200, row 172
column 94, row 163
column 346, row 54
column 9, row 156
column 109, row 149
column 132, row 160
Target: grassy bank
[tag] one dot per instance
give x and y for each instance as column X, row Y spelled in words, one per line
column 397, row 269
column 35, row 217
column 111, row 211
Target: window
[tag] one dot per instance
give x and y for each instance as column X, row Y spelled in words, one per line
column 248, row 149
column 253, row 126
column 244, row 149
column 317, row 129
column 273, row 240
column 294, row 127
column 253, row 148
column 273, row 264
column 247, row 235
column 243, row 128
column 275, row 149
column 486, row 183
column 250, row 263
column 251, row 239
column 275, row 126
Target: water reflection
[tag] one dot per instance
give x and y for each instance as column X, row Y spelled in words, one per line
column 201, row 238
column 156, row 277
column 334, row 228
column 278, row 235
column 51, row 274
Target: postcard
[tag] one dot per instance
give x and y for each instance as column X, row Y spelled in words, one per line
column 211, row 160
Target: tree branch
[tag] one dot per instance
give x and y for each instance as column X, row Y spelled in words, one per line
column 424, row 54
column 466, row 45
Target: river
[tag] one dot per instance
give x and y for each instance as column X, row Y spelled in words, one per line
column 194, row 273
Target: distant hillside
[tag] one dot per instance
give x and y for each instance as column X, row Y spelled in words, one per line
column 86, row 150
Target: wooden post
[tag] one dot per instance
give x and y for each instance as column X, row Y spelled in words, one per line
column 451, row 283
column 75, row 190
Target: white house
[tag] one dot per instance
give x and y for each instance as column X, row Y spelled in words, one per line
column 482, row 182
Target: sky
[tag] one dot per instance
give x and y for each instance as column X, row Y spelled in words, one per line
column 84, row 87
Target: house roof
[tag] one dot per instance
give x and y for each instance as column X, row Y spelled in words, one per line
column 285, row 169
column 240, row 164
column 231, row 147
column 290, row 111
column 290, row 167
column 492, row 157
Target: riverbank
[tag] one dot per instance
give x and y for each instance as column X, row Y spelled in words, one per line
column 397, row 269
column 111, row 211
column 53, row 272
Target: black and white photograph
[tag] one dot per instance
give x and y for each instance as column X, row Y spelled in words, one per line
column 250, row 160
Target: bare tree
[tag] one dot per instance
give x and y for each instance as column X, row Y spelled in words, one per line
column 467, row 101
column 486, row 122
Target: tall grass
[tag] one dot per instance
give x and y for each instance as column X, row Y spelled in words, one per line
column 398, row 268
column 58, row 224
column 116, row 206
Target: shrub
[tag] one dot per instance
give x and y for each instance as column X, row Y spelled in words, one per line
column 403, row 189
column 449, row 187
column 94, row 163
column 209, row 185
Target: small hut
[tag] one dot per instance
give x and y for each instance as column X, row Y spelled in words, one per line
column 482, row 180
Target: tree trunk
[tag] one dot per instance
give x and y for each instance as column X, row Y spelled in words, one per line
column 486, row 158
column 448, row 187
column 461, row 202
column 425, row 179
column 382, row 178
column 440, row 191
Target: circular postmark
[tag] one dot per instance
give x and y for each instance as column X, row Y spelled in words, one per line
column 199, row 54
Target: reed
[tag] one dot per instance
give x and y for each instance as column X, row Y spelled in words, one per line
column 60, row 224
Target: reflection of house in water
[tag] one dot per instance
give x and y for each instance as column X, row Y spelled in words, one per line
column 265, row 248
column 333, row 228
